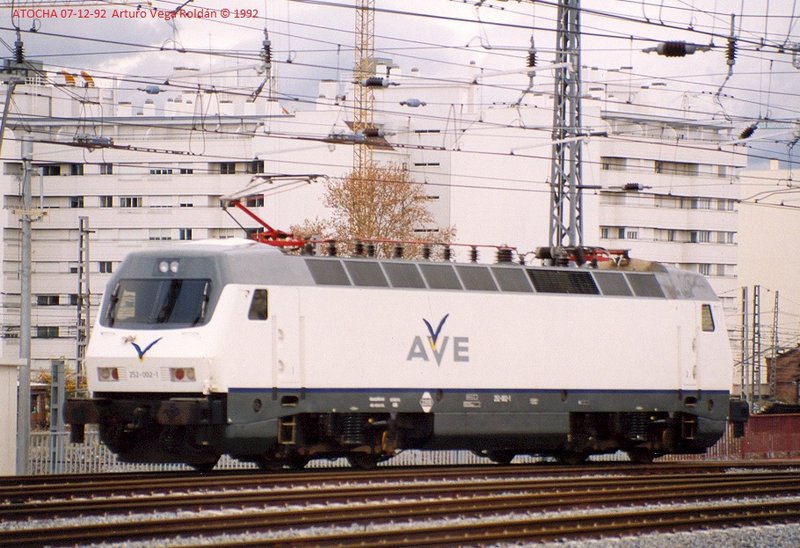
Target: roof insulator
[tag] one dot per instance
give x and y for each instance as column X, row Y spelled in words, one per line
column 448, row 253
column 332, row 248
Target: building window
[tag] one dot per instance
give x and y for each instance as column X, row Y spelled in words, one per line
column 186, row 204
column 227, row 168
column 130, row 201
column 106, row 169
column 631, row 234
column 186, row 171
column 676, row 168
column 700, row 236
column 161, row 171
column 225, row 233
column 185, row 234
column 160, row 234
column 104, row 267
column 106, row 201
column 704, row 269
column 73, row 299
column 612, row 163
column 256, row 166
column 48, row 300
column 47, row 331
column 76, row 169
column 76, row 201
column 699, row 203
column 256, row 200
column 53, row 169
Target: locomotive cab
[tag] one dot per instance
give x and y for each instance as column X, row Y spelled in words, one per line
column 164, row 348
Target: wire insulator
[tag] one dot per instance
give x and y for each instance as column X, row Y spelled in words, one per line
column 267, row 53
column 672, row 49
column 748, row 131
column 532, row 58
column 19, row 51
column 473, row 254
column 730, row 53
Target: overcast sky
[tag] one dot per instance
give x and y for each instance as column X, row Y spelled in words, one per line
column 313, row 40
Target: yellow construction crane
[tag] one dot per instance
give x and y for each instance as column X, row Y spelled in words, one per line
column 364, row 101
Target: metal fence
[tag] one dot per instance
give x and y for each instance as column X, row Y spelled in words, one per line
column 765, row 437
column 53, row 454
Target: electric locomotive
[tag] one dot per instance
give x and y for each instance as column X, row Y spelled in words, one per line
column 234, row 347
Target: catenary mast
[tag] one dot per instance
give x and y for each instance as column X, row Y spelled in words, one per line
column 566, row 227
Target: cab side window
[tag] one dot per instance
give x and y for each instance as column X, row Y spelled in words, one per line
column 258, row 305
column 707, row 318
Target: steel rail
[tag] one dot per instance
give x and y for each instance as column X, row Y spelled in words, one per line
column 248, row 493
column 372, row 510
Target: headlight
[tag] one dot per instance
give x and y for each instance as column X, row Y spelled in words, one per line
column 181, row 374
column 107, row 374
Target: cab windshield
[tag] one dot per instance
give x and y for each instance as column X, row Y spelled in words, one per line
column 157, row 303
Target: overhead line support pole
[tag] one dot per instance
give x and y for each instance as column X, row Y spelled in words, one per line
column 24, row 393
column 566, row 167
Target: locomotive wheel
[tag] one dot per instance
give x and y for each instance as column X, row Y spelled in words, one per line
column 641, row 456
column 297, row 462
column 363, row 461
column 501, row 457
column 571, row 458
column 204, row 466
column 269, row 464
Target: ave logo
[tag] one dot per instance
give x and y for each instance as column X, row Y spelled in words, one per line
column 436, row 347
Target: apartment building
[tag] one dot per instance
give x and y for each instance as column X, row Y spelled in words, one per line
column 149, row 171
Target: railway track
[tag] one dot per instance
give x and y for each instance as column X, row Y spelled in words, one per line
column 450, row 506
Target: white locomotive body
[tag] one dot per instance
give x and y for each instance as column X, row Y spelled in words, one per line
column 234, row 347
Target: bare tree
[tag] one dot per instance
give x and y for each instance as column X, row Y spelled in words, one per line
column 379, row 205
